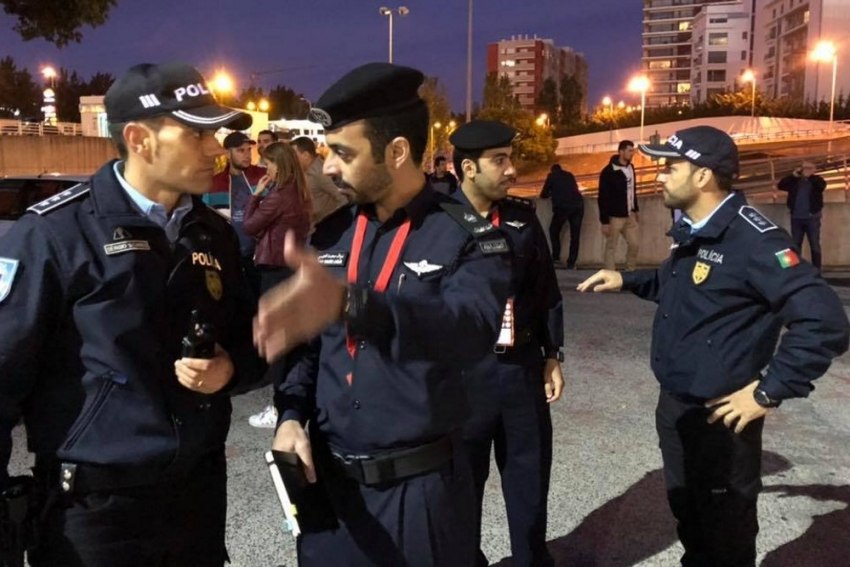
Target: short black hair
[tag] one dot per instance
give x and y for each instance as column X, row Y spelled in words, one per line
column 725, row 182
column 304, row 144
column 460, row 155
column 270, row 133
column 438, row 160
column 411, row 124
column 624, row 145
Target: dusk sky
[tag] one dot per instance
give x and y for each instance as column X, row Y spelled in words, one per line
column 307, row 44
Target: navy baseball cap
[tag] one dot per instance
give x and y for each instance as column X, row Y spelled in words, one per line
column 176, row 90
column 236, row 139
column 374, row 89
column 704, row 146
column 480, row 135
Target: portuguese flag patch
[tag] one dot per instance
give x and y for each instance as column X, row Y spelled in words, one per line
column 787, row 258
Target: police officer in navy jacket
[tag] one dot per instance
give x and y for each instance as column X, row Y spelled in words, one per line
column 510, row 389
column 99, row 286
column 403, row 295
column 732, row 282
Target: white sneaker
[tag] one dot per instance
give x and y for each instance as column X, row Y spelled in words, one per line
column 266, row 419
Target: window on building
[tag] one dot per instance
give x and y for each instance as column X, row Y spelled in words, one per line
column 806, row 16
column 744, row 35
column 683, row 88
column 716, row 76
column 684, row 26
column 664, row 64
column 717, row 57
column 717, row 20
column 718, row 38
column 743, row 55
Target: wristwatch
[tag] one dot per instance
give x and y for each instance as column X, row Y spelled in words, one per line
column 558, row 354
column 765, row 401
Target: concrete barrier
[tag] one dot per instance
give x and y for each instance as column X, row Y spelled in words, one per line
column 655, row 221
column 32, row 155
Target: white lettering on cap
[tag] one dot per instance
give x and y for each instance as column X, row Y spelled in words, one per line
column 675, row 142
column 194, row 90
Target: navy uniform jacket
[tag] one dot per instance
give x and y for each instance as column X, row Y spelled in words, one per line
column 439, row 315
column 93, row 324
column 723, row 297
column 538, row 306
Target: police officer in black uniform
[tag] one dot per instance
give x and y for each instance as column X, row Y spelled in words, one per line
column 510, row 388
column 732, row 282
column 405, row 295
column 124, row 320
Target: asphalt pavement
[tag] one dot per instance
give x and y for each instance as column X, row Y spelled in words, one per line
column 607, row 505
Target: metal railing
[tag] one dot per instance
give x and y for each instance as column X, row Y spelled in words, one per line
column 21, row 128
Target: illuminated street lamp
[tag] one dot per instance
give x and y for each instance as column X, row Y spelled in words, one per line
column 543, row 120
column 221, row 83
column 750, row 77
column 49, row 73
column 251, row 105
column 621, row 105
column 640, row 84
column 608, row 104
column 825, row 52
column 434, row 126
column 263, row 105
column 401, row 11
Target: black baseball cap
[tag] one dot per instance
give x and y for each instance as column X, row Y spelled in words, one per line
column 236, row 139
column 174, row 89
column 480, row 135
column 374, row 89
column 704, row 146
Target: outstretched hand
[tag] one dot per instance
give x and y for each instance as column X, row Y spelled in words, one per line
column 603, row 280
column 300, row 308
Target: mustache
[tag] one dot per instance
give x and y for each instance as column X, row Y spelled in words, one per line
column 340, row 184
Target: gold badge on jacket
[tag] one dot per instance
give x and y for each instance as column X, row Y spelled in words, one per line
column 700, row 273
column 214, row 284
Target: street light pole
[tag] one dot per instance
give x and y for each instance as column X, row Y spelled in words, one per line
column 641, row 84
column 384, row 11
column 832, row 97
column 750, row 77
column 825, row 51
column 469, row 66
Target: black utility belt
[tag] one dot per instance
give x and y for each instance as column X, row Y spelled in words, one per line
column 398, row 465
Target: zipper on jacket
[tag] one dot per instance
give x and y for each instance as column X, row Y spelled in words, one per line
column 85, row 419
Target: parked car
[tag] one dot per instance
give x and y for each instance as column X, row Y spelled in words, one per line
column 17, row 193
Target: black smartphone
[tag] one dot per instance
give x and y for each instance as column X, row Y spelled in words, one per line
column 305, row 505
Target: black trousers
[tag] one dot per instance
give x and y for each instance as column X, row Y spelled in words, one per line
column 158, row 526
column 809, row 228
column 509, row 414
column 559, row 218
column 713, row 479
column 421, row 521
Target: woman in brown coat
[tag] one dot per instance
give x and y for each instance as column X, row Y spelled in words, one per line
column 280, row 203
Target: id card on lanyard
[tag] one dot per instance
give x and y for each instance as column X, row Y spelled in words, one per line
column 506, row 333
column 386, row 273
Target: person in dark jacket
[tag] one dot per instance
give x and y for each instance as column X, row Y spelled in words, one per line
column 567, row 207
column 125, row 320
column 618, row 205
column 442, row 179
column 731, row 284
column 406, row 294
column 805, row 201
column 511, row 387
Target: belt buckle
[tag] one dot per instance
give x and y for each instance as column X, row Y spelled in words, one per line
column 500, row 349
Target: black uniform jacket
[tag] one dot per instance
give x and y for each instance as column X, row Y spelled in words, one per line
column 414, row 343
column 723, row 297
column 93, row 323
column 538, row 306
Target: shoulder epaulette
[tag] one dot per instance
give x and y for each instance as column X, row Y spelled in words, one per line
column 756, row 219
column 60, row 199
column 520, row 202
column 478, row 227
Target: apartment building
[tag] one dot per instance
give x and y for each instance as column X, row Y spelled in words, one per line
column 529, row 61
column 721, row 49
column 786, row 32
column 667, row 48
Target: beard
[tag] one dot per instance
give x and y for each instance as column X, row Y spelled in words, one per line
column 369, row 188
